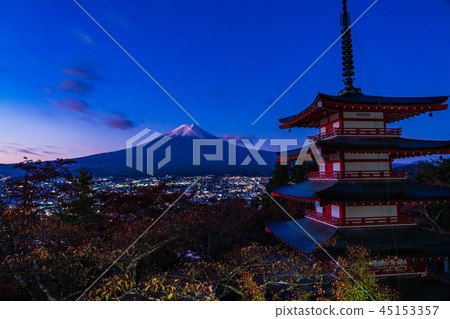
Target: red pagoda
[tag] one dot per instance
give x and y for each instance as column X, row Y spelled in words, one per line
column 356, row 193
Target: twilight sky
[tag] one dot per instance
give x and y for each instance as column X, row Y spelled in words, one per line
column 67, row 90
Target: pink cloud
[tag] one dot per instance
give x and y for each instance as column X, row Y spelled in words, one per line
column 84, row 69
column 76, row 72
column 50, row 153
column 85, row 37
column 119, row 122
column 72, row 105
column 28, row 151
column 47, row 89
column 11, row 144
column 76, row 87
column 236, row 137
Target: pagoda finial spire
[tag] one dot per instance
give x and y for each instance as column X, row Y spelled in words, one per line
column 347, row 53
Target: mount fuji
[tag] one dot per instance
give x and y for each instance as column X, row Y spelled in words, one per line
column 191, row 130
column 180, row 141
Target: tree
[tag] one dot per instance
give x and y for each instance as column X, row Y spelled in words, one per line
column 434, row 172
column 362, row 285
column 284, row 175
column 3, row 206
column 45, row 257
column 44, row 182
column 299, row 173
column 280, row 176
column 246, row 273
column 81, row 206
column 252, row 272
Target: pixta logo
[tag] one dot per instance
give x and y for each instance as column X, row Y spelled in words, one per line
column 141, row 148
column 142, row 142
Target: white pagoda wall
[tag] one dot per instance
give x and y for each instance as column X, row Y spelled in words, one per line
column 331, row 118
column 363, row 124
column 370, row 211
column 380, row 163
column 364, row 116
column 366, row 166
column 334, row 157
column 351, row 156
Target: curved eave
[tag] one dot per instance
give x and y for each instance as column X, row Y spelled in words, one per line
column 311, row 112
column 363, row 192
column 307, row 191
column 397, row 147
column 395, row 108
column 395, row 154
column 410, row 242
column 392, row 113
column 326, row 201
column 299, row 199
column 384, row 100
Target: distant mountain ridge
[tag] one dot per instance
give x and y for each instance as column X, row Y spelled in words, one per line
column 411, row 168
column 181, row 164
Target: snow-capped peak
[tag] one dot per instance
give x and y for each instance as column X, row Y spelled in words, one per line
column 190, row 130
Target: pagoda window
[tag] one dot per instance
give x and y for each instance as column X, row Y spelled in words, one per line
column 371, row 211
column 367, row 166
column 363, row 115
column 334, row 157
column 363, row 120
column 322, row 168
column 337, row 167
column 355, row 156
column 319, row 208
column 363, row 124
column 335, row 211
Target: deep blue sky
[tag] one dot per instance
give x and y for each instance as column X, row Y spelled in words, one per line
column 67, row 90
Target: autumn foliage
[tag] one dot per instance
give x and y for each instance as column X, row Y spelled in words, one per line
column 116, row 246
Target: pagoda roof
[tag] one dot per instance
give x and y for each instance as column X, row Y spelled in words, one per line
column 291, row 233
column 383, row 100
column 363, row 191
column 396, row 108
column 398, row 147
column 406, row 242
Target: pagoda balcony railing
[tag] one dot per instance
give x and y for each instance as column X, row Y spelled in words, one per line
column 358, row 132
column 408, row 266
column 397, row 174
column 361, row 221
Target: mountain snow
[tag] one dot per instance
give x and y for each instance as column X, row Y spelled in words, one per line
column 190, row 130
